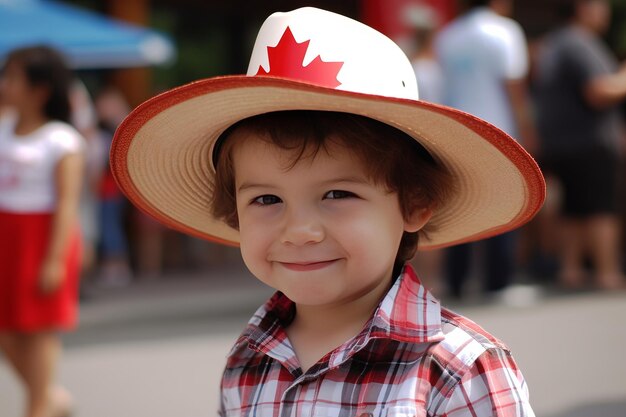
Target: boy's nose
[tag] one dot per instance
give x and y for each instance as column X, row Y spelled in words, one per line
column 302, row 227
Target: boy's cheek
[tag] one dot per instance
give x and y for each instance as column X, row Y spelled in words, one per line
column 253, row 244
column 247, row 255
column 251, row 230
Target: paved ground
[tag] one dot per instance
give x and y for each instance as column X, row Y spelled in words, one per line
column 156, row 349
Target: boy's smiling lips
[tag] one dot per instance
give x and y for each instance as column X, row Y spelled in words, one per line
column 307, row 265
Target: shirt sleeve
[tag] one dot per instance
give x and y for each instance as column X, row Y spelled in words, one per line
column 515, row 50
column 492, row 387
column 582, row 63
column 65, row 140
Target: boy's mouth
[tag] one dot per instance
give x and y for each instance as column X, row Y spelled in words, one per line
column 307, row 266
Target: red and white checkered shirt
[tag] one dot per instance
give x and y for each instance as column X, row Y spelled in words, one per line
column 411, row 359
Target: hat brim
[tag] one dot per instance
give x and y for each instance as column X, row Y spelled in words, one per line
column 161, row 154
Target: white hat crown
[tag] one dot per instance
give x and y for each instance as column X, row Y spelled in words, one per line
column 345, row 55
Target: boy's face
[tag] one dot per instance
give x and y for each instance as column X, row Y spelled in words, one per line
column 321, row 231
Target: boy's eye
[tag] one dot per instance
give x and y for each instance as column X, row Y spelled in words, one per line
column 266, row 200
column 336, row 194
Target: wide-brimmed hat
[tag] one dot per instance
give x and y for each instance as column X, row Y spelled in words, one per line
column 311, row 59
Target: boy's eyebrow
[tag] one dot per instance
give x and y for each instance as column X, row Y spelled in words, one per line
column 353, row 179
column 248, row 185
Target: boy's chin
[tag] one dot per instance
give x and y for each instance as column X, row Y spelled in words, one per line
column 311, row 297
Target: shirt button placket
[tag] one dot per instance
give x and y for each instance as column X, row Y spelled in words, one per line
column 289, row 396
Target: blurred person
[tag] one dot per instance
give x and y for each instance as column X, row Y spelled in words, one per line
column 484, row 57
column 41, row 167
column 114, row 269
column 425, row 21
column 579, row 86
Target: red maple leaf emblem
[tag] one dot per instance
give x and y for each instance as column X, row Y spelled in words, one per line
column 286, row 61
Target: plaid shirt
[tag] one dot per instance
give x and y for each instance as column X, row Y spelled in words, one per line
column 411, row 359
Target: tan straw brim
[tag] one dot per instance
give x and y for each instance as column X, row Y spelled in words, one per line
column 161, row 154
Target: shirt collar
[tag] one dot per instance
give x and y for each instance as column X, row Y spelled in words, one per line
column 408, row 313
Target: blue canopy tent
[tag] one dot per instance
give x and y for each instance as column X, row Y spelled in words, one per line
column 88, row 40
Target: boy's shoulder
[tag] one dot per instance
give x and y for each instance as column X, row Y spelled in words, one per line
column 463, row 343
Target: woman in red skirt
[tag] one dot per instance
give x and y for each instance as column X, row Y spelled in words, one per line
column 40, row 178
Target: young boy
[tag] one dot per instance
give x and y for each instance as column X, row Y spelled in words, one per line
column 327, row 171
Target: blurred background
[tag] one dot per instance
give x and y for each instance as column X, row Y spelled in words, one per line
column 159, row 310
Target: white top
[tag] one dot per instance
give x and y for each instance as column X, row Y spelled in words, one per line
column 28, row 163
column 479, row 52
column 429, row 80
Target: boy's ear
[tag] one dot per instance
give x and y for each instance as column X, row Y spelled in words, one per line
column 417, row 219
